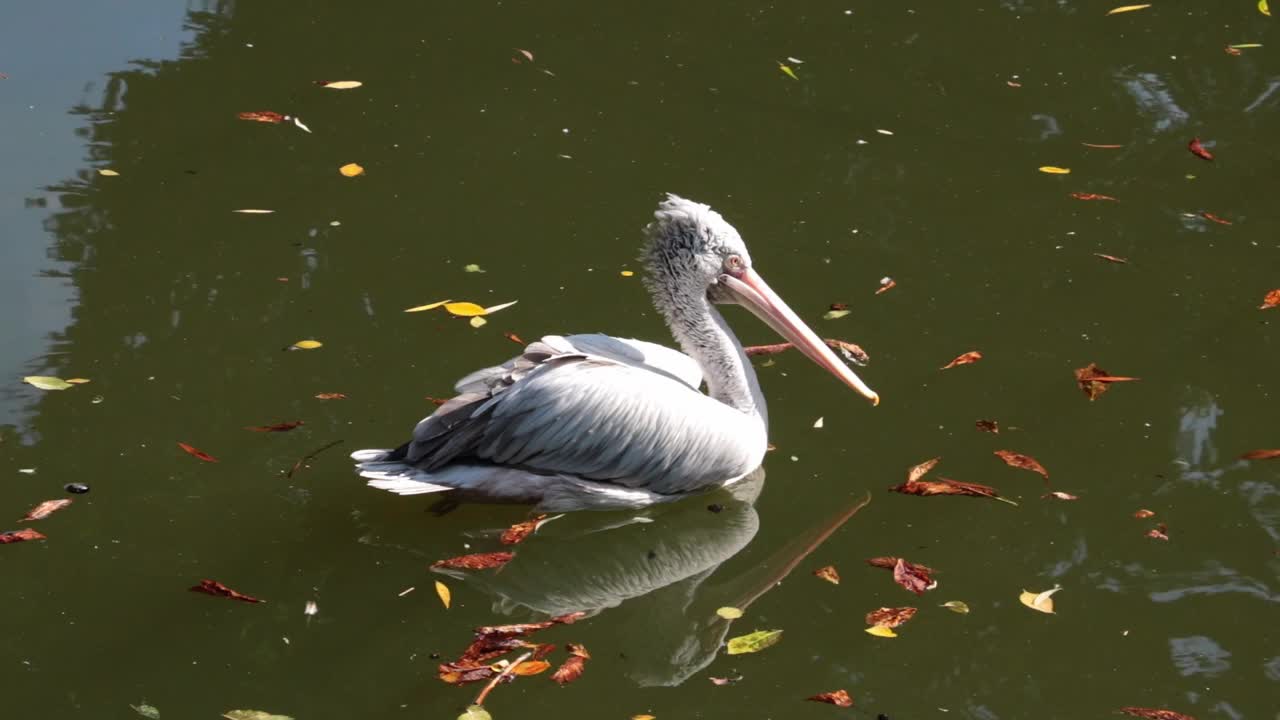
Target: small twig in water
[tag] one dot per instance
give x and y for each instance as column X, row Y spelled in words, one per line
column 498, row 678
column 309, row 456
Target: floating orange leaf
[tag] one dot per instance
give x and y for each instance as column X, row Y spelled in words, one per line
column 890, row 617
column 990, row 426
column 265, row 116
column 1260, row 455
column 839, row 698
column 1143, row 514
column 972, row 356
column 213, row 587
column 1025, row 462
column 518, row 532
column 829, row 574
column 1198, row 150
column 331, row 396
column 513, row 338
column 351, row 170
column 572, row 668
column 1153, row 714
column 45, row 509
column 1094, row 381
column 1271, row 300
column 476, row 561
column 1215, row 218
column 278, row 427
column 197, row 453
column 886, row 284
column 531, row 667
column 23, row 535
column 1111, row 258
column 1092, row 196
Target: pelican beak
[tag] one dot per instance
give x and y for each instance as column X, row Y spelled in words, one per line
column 752, row 292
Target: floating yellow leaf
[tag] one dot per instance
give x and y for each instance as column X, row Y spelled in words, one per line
column 956, row 606
column 1042, row 602
column 472, row 268
column 1127, row 8
column 108, row 172
column 78, row 381
column 341, row 84
column 495, row 308
column 432, row 306
column 1245, row 46
column 253, row 211
column 787, row 69
column 1264, row 8
column 351, row 170
column 475, row 712
column 729, row 613
column 754, row 642
column 881, row 631
column 445, row 596
column 643, row 717
column 626, row 273
column 45, row 382
column 463, row 309
column 1055, row 170
column 306, row 344
column 477, row 321
column 835, row 314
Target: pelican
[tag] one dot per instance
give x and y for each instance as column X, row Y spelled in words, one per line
column 594, row 422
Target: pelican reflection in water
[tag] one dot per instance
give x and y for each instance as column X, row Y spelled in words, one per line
column 593, row 421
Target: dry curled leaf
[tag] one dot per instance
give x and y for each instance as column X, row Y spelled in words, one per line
column 1159, row 532
column 194, row 452
column 839, row 698
column 1261, row 455
column 518, row 532
column 1214, row 218
column 331, row 396
column 265, row 116
column 1111, row 258
column 1094, row 381
column 23, row 535
column 990, row 426
column 1198, row 150
column 572, row 668
column 829, row 574
column 1092, row 196
column 1024, row 462
column 916, row 472
column 890, row 617
column 972, row 356
column 213, row 587
column 943, row 486
column 1041, row 601
column 45, row 509
column 1154, row 714
column 476, row 561
column 1271, row 300
column 915, row 578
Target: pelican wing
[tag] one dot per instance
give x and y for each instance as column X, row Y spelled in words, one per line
column 592, row 407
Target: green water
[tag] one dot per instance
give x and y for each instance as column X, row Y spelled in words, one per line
column 543, row 173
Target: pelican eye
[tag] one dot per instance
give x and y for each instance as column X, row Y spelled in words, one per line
column 734, row 265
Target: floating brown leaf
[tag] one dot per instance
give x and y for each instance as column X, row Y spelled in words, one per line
column 331, row 396
column 1111, row 258
column 1143, row 514
column 513, row 338
column 1215, row 218
column 572, row 668
column 1198, row 150
column 436, row 400
column 915, row 578
column 1092, row 196
column 1153, row 714
column 890, row 617
column 518, row 532
column 972, row 356
column 1024, row 462
column 1261, row 455
column 1102, row 147
column 476, row 561
column 278, row 427
column 916, row 472
column 886, row 285
column 45, row 509
column 1159, row 532
column 1094, row 381
column 13, row 536
column 1232, row 51
column 990, row 426
column 492, row 641
column 839, row 698
column 1062, row 495
column 265, row 116
column 213, row 587
column 1271, row 300
column 829, row 574
column 943, row 486
column 852, row 352
column 197, row 453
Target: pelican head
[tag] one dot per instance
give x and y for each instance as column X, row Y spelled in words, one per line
column 694, row 256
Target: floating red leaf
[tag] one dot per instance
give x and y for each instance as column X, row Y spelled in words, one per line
column 972, row 356
column 518, row 532
column 1024, row 462
column 436, row 400
column 213, row 587
column 943, row 486
column 890, row 617
column 839, row 698
column 1198, row 150
column 1092, row 196
column 513, row 338
column 913, row 577
column 1160, row 532
column 13, row 536
column 1215, row 218
column 1271, row 300
column 265, row 116
column 331, row 396
column 45, row 509
column 1153, row 714
column 197, row 453
column 1143, row 514
column 1111, row 258
column 990, row 426
column 278, row 427
column 572, row 668
column 829, row 574
column 477, row 561
column 1094, row 381
column 1260, row 455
